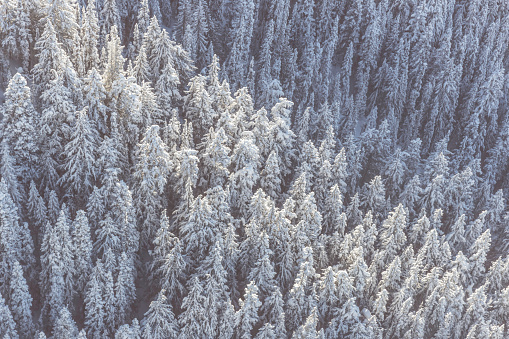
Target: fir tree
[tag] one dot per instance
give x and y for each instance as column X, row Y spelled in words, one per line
column 65, row 327
column 159, row 321
column 191, row 319
column 56, row 281
column 151, row 173
column 18, row 127
column 20, row 302
column 82, row 250
column 7, row 324
column 246, row 317
column 79, row 157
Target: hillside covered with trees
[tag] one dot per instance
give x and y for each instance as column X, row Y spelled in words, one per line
column 254, row 169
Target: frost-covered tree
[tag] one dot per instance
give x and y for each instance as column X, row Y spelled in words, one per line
column 125, row 289
column 94, row 304
column 169, row 262
column 61, row 14
column 152, row 168
column 216, row 157
column 159, row 321
column 270, row 177
column 82, row 250
column 65, row 326
column 246, row 317
column 198, row 233
column 19, row 127
column 7, row 324
column 57, row 262
column 79, row 157
column 20, row 302
column 192, row 320
column 89, row 33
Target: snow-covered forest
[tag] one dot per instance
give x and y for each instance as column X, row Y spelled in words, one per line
column 254, row 169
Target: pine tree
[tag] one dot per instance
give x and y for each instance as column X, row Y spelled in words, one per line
column 237, row 62
column 266, row 332
column 152, row 167
column 61, row 14
column 201, row 33
column 8, row 171
column 270, row 177
column 216, row 157
column 94, row 304
column 56, row 281
column 198, row 233
column 282, row 138
column 113, row 62
column 262, row 274
column 169, row 262
column 159, row 321
column 125, row 289
column 109, row 17
column 7, row 324
column 36, row 207
column 141, row 70
column 191, row 319
column 94, row 99
column 215, row 288
column 107, row 237
column 246, row 317
column 374, row 197
column 79, row 157
column 18, row 127
column 65, row 326
column 51, row 58
column 198, row 106
column 243, row 179
column 167, row 89
column 82, row 250
column 89, row 38
column 20, row 302
column 57, row 112
column 478, row 252
column 393, row 237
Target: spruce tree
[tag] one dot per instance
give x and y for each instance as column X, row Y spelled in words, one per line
column 159, row 321
column 191, row 319
column 246, row 317
column 20, row 302
column 151, row 174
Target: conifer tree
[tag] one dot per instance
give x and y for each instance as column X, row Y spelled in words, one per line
column 51, row 57
column 246, row 317
column 270, row 177
column 151, row 173
column 8, row 171
column 18, row 127
column 167, row 89
column 7, row 324
column 191, row 320
column 82, row 250
column 198, row 233
column 125, row 289
column 61, row 14
column 65, row 326
column 56, row 281
column 216, row 157
column 159, row 321
column 109, row 17
column 20, row 302
column 94, row 304
column 89, row 38
column 94, row 97
column 79, row 157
